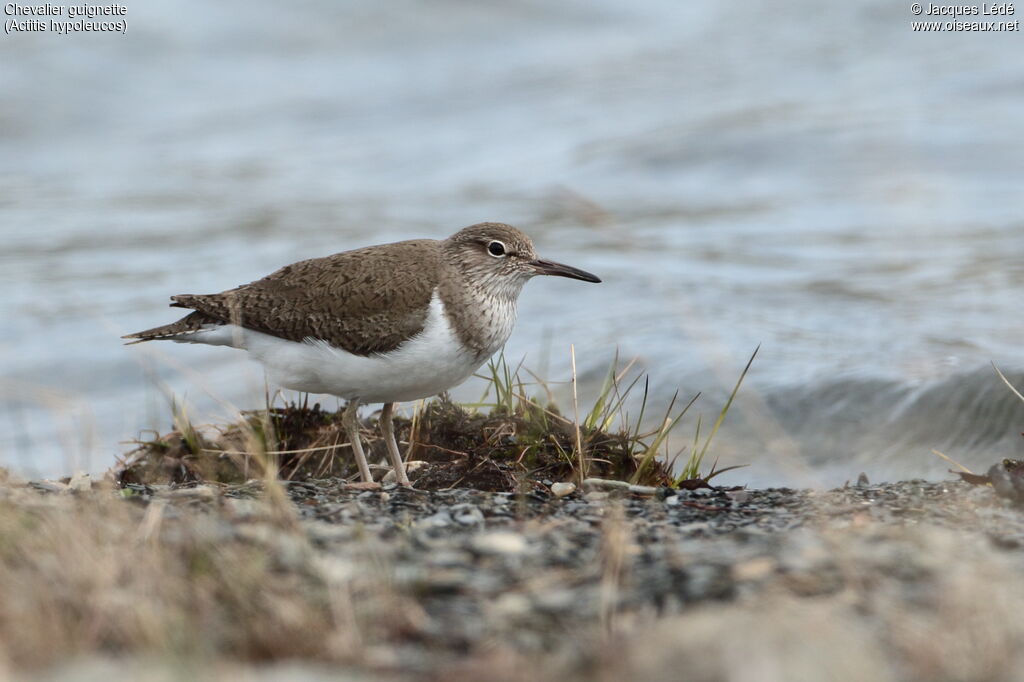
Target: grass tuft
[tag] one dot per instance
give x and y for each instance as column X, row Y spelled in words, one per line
column 691, row 471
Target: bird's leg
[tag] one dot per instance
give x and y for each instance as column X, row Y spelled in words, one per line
column 351, row 421
column 387, row 429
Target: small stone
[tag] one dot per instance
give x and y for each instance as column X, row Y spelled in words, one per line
column 200, row 492
column 754, row 570
column 499, row 542
column 695, row 528
column 410, row 468
column 447, row 558
column 739, row 496
column 1007, row 480
column 441, row 519
column 512, row 605
column 290, row 551
column 563, row 489
column 324, row 532
column 467, row 515
column 242, row 508
column 80, row 483
column 672, row 501
column 365, row 485
column 554, row 601
column 603, row 484
column 337, row 570
column 707, row 581
column 49, row 486
column 596, row 496
column 444, row 580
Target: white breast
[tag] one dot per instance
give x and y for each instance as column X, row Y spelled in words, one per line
column 429, row 363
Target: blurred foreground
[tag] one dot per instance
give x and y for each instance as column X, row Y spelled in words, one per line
column 314, row 579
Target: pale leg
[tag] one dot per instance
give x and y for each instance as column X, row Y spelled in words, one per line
column 387, row 429
column 351, row 420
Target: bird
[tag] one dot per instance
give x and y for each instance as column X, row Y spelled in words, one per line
column 383, row 324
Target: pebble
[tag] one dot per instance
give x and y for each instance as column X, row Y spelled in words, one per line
column 336, row 569
column 80, row 483
column 468, row 567
column 754, row 570
column 499, row 542
column 1007, row 480
column 739, row 496
column 200, row 492
column 612, row 486
column 411, row 467
column 512, row 605
column 243, row 508
column 441, row 519
column 563, row 489
column 467, row 514
column 365, row 485
column 49, row 486
column 555, row 601
column 604, row 484
column 704, row 581
column 291, row 551
column 326, row 533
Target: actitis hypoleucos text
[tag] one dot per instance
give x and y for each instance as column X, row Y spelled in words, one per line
column 381, row 324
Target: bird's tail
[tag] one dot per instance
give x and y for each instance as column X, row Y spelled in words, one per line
column 191, row 323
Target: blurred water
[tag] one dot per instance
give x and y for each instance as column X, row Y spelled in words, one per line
column 816, row 178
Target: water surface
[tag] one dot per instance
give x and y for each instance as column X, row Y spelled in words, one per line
column 817, row 179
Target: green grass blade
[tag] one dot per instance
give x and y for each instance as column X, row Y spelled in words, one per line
column 728, row 404
column 666, row 428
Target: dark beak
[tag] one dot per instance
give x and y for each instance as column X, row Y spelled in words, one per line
column 547, row 267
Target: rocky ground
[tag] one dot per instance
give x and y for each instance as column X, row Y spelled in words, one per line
column 910, row 580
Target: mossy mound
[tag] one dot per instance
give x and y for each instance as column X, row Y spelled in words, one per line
column 500, row 451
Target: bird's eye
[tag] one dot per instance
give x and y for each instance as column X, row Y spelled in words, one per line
column 496, row 249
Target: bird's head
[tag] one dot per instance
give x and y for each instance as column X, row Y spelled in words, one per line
column 500, row 256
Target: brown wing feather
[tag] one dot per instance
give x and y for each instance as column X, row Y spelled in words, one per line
column 363, row 301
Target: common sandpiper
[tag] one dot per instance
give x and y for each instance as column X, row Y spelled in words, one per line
column 382, row 324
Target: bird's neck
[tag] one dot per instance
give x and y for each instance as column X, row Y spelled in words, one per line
column 481, row 309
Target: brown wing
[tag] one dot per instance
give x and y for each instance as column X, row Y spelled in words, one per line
column 363, row 301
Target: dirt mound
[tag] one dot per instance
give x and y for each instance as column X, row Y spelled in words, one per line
column 497, row 451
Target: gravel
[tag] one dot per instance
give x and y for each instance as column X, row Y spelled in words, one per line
column 519, row 571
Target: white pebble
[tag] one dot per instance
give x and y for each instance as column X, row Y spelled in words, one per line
column 563, row 489
column 500, row 542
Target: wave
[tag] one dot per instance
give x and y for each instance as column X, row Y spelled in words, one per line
column 833, row 430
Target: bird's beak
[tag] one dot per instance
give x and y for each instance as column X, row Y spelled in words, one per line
column 547, row 267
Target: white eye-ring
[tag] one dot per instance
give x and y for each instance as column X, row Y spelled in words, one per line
column 496, row 249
